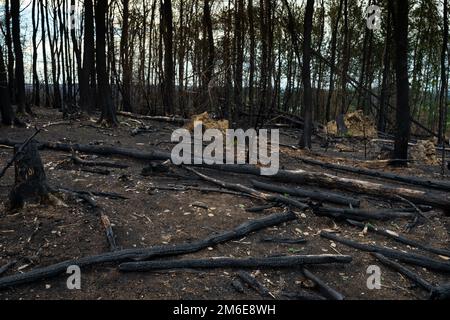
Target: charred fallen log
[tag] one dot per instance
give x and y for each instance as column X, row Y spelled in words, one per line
column 253, row 283
column 401, row 239
column 87, row 163
column 219, row 263
column 405, row 271
column 441, row 292
column 6, row 267
column 324, row 288
column 314, row 195
column 241, row 188
column 361, row 214
column 148, row 253
column 435, row 199
column 427, row 183
column 173, row 120
column 409, row 258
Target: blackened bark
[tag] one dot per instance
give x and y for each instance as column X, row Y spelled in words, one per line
column 104, row 89
column 125, row 57
column 306, row 75
column 44, row 54
column 400, row 12
column 168, row 84
column 384, row 98
column 87, row 86
column 6, row 110
column 333, row 61
column 19, row 84
column 444, row 84
column 36, row 86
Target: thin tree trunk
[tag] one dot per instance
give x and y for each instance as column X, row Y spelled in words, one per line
column 19, row 71
column 104, row 88
column 400, row 12
column 306, row 76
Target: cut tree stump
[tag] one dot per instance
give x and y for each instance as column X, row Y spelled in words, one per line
column 30, row 179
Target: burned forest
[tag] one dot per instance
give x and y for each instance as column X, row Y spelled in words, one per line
column 271, row 150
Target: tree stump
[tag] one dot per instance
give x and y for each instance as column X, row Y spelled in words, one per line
column 30, row 180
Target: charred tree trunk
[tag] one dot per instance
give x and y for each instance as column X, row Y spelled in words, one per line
column 444, row 84
column 36, row 86
column 87, row 86
column 125, row 57
column 306, row 76
column 6, row 109
column 44, row 54
column 19, row 84
column 104, row 88
column 384, row 98
column 333, row 61
column 10, row 49
column 168, row 84
column 400, row 12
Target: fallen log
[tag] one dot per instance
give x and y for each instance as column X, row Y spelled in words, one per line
column 253, row 283
column 241, row 188
column 314, row 195
column 441, row 292
column 405, row 271
column 284, row 241
column 6, row 267
column 409, row 258
column 174, row 120
column 110, row 236
column 105, row 164
column 396, row 237
column 325, row 289
column 303, row 296
column 98, row 150
column 110, row 195
column 220, row 263
column 427, row 183
column 206, row 190
column 238, row 286
column 434, row 199
column 260, row 208
column 148, row 253
column 361, row 214
column 102, row 172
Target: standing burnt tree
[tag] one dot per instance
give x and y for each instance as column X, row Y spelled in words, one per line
column 104, row 88
column 87, row 79
column 6, row 110
column 306, row 75
column 168, row 83
column 400, row 12
column 443, row 98
column 19, row 84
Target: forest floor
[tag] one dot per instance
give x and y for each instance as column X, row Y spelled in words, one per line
column 40, row 235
